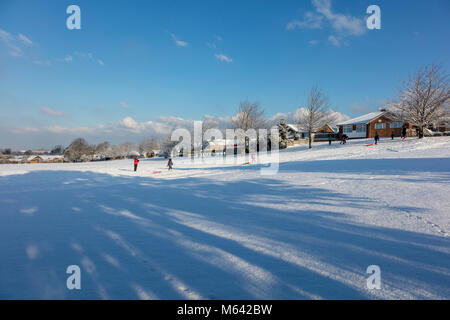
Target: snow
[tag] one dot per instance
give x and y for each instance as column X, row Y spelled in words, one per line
column 363, row 119
column 293, row 127
column 209, row 230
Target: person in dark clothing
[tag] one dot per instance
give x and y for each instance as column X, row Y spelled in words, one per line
column 377, row 137
column 170, row 164
column 403, row 133
column 392, row 135
column 330, row 138
column 136, row 161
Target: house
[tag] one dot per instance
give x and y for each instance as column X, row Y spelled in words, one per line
column 133, row 154
column 293, row 131
column 153, row 153
column 365, row 126
column 37, row 159
column 294, row 136
column 443, row 126
column 327, row 129
column 323, row 133
column 214, row 146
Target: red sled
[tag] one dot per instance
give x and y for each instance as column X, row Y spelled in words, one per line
column 244, row 164
column 156, row 171
column 369, row 145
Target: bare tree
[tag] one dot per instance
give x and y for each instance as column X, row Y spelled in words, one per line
column 316, row 113
column 102, row 148
column 125, row 148
column 424, row 97
column 147, row 146
column 209, row 123
column 167, row 145
column 249, row 116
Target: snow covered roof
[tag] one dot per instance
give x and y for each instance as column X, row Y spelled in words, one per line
column 293, row 127
column 363, row 119
column 44, row 157
column 221, row 142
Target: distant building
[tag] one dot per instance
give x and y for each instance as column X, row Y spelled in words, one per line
column 220, row 145
column 324, row 133
column 36, row 159
column 296, row 133
column 133, row 154
column 443, row 126
column 365, row 126
column 327, row 129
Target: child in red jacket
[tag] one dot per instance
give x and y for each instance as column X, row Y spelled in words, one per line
column 136, row 161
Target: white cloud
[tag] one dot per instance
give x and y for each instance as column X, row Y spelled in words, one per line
column 9, row 41
column 345, row 24
column 130, row 123
column 223, row 57
column 68, row 59
column 24, row 130
column 335, row 41
column 5, row 36
column 76, row 131
column 51, row 112
column 25, row 39
column 310, row 20
column 100, row 62
column 15, row 51
column 177, row 41
column 342, row 25
column 313, row 42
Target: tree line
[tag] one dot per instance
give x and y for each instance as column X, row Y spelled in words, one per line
column 80, row 149
column 422, row 100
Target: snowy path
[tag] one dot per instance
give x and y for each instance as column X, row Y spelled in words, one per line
column 217, row 231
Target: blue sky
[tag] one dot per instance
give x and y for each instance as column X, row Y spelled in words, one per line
column 135, row 65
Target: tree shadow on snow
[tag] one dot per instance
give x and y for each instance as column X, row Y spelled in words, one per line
column 144, row 238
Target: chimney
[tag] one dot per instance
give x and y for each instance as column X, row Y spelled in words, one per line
column 383, row 109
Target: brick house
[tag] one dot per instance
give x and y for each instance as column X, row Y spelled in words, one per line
column 326, row 129
column 365, row 126
column 325, row 132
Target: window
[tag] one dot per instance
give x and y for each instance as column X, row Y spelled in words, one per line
column 380, row 125
column 348, row 128
column 361, row 128
column 396, row 124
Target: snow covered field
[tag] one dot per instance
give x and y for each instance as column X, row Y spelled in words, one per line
column 213, row 231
